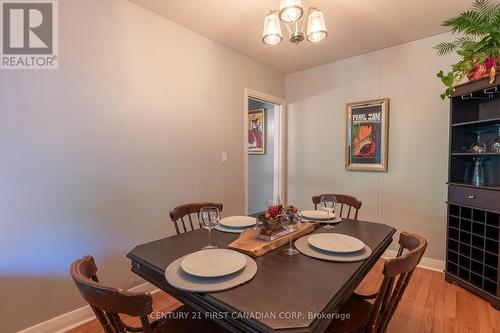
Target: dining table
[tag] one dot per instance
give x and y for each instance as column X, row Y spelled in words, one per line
column 288, row 294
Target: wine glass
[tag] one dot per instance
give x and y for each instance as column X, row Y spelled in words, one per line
column 209, row 218
column 495, row 147
column 478, row 147
column 291, row 223
column 327, row 203
column 274, row 201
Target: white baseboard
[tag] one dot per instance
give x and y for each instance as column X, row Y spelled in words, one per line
column 426, row 263
column 75, row 318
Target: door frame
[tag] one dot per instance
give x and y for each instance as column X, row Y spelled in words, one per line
column 280, row 163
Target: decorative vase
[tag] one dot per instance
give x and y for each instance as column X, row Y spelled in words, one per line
column 478, row 173
column 270, row 227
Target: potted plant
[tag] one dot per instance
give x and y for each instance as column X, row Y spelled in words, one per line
column 478, row 44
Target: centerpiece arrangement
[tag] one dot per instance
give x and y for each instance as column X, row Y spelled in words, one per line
column 272, row 226
column 478, row 45
column 275, row 224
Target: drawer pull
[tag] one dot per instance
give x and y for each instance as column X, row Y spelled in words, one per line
column 471, row 196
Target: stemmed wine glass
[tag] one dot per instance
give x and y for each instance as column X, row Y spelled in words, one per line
column 291, row 223
column 478, row 146
column 327, row 203
column 209, row 218
column 275, row 201
column 495, row 147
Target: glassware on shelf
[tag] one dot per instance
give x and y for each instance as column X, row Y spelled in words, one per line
column 478, row 173
column 495, row 146
column 468, row 167
column 478, row 147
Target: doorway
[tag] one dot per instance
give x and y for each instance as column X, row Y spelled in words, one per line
column 265, row 146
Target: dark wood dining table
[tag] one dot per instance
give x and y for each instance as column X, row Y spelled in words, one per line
column 288, row 294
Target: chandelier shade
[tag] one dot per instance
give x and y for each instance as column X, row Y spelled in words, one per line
column 299, row 25
column 316, row 27
column 290, row 10
column 272, row 29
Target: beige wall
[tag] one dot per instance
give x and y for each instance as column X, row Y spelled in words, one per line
column 96, row 153
column 411, row 195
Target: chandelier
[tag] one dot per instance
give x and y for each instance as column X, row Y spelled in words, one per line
column 291, row 14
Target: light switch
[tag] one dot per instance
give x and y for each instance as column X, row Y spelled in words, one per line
column 224, row 157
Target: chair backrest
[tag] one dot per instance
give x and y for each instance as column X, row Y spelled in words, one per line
column 347, row 204
column 179, row 214
column 108, row 302
column 397, row 274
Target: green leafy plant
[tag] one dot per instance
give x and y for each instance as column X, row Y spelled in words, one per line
column 478, row 44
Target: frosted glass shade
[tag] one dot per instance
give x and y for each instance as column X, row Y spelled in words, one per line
column 272, row 29
column 316, row 28
column 291, row 10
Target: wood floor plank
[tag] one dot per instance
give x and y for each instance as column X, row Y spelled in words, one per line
column 429, row 305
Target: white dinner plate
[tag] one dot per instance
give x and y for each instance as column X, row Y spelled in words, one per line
column 229, row 230
column 338, row 243
column 238, row 221
column 213, row 263
column 316, row 214
column 331, row 221
column 179, row 279
column 303, row 246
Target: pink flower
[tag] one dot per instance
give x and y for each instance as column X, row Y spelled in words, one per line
column 489, row 63
column 478, row 71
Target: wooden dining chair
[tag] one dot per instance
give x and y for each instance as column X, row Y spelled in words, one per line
column 179, row 213
column 347, row 203
column 367, row 317
column 108, row 303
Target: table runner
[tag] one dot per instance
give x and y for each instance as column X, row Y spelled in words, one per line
column 249, row 244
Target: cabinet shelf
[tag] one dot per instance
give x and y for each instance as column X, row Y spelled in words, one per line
column 478, row 122
column 476, row 154
column 494, row 187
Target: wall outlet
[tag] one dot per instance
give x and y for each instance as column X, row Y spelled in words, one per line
column 224, row 157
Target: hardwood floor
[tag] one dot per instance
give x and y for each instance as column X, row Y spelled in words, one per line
column 428, row 305
column 161, row 302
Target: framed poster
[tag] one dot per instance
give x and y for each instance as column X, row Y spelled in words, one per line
column 367, row 128
column 257, row 132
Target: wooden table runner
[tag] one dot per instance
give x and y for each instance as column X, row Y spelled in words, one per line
column 249, row 244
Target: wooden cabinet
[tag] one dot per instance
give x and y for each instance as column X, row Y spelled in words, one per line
column 474, row 197
column 473, row 229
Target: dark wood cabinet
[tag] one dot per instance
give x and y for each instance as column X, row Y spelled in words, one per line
column 473, row 229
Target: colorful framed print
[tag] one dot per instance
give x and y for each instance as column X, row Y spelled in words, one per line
column 367, row 129
column 257, row 132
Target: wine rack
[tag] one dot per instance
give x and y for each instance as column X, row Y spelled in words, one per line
column 473, row 244
column 473, row 228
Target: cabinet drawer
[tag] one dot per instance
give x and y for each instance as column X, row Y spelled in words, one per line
column 484, row 199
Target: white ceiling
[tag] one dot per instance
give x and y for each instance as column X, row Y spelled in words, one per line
column 354, row 26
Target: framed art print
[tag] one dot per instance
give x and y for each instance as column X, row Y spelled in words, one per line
column 367, row 128
column 256, row 132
